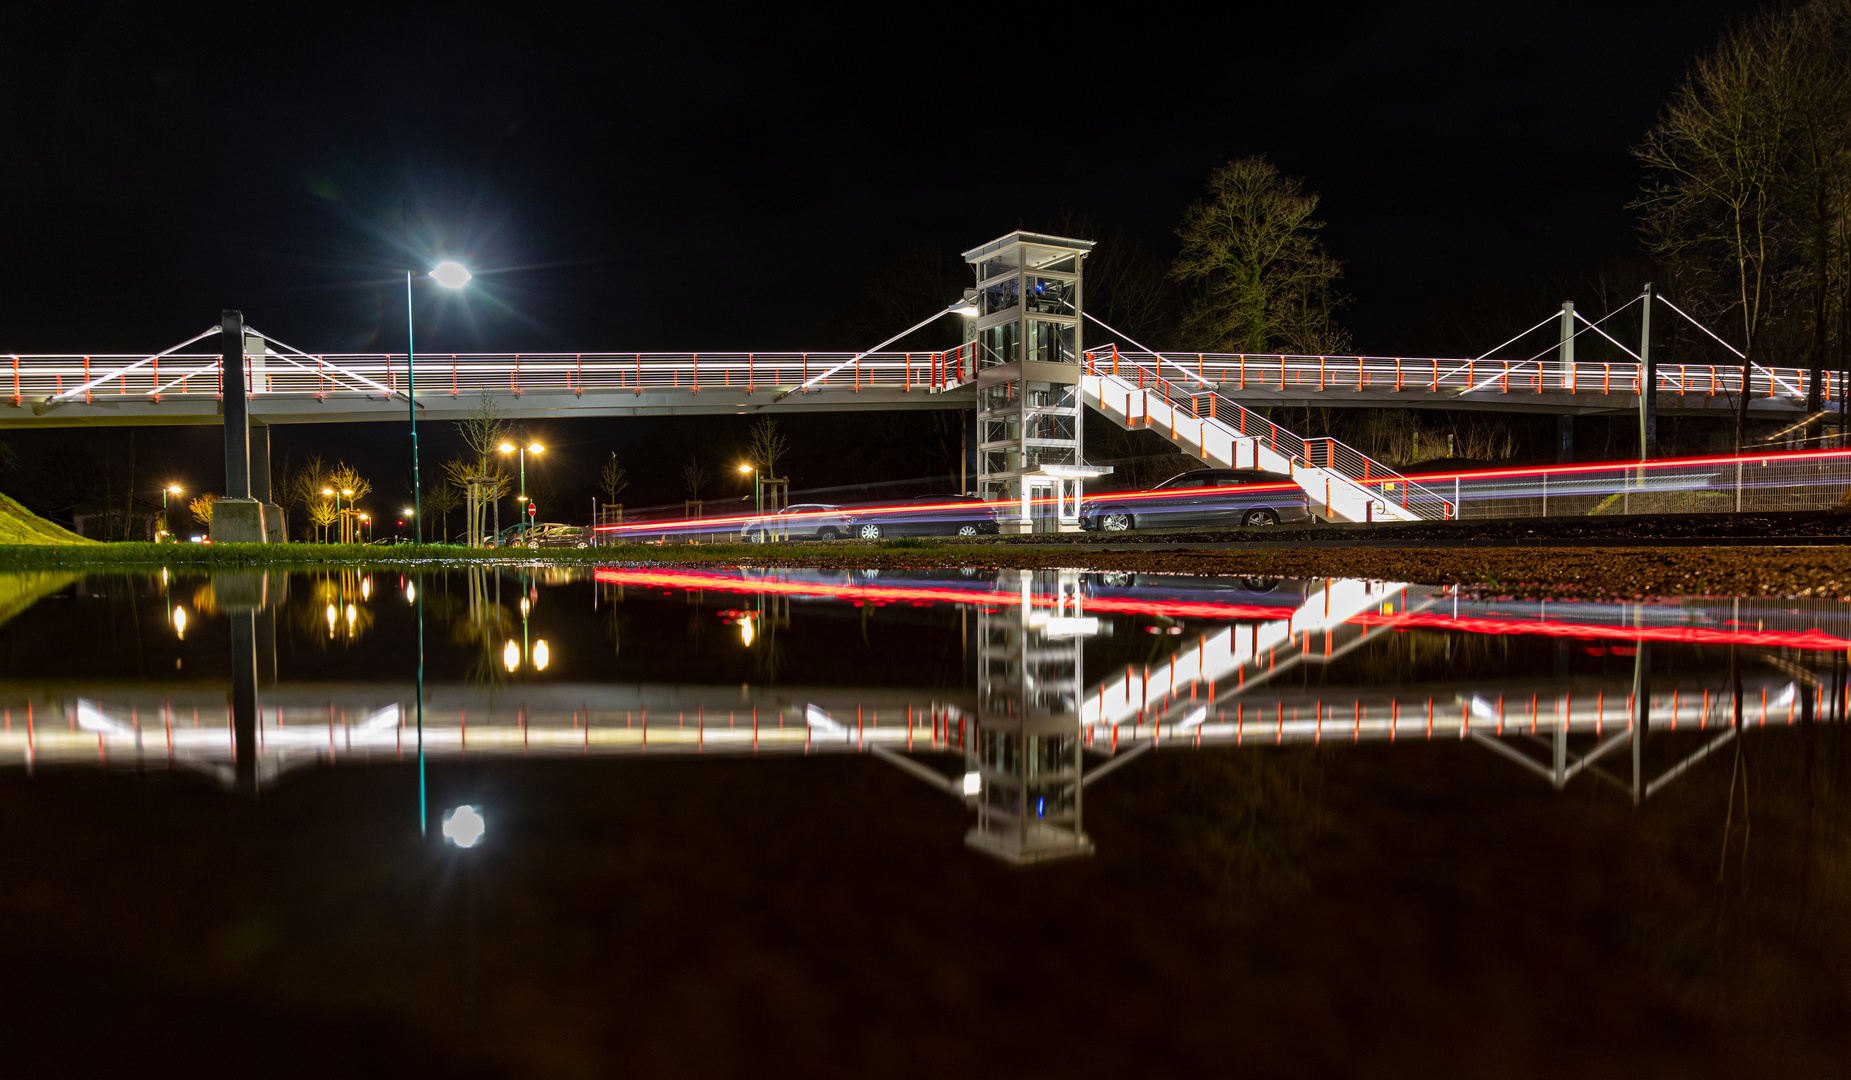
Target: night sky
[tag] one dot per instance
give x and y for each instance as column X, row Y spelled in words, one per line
column 672, row 177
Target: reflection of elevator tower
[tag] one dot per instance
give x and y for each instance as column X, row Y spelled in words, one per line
column 1027, row 340
column 1027, row 750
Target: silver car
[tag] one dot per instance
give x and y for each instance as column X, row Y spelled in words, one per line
column 1203, row 498
column 800, row 521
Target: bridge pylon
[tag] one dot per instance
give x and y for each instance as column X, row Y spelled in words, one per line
column 1027, row 344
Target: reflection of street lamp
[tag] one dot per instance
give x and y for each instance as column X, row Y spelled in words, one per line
column 451, row 275
column 533, row 448
column 511, row 655
column 180, row 623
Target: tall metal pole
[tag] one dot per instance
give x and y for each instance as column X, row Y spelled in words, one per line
column 411, row 407
column 1648, row 381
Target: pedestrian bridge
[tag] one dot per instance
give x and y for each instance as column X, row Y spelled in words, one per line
column 1199, row 401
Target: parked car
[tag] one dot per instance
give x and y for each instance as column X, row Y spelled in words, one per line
column 929, row 515
column 1203, row 498
column 800, row 521
column 554, row 534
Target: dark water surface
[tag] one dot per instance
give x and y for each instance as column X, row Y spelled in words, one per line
column 977, row 822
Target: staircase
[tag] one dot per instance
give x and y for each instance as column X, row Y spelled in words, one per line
column 1143, row 390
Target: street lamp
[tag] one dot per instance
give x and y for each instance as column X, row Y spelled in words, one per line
column 531, row 448
column 451, row 275
column 329, row 493
column 758, row 495
column 170, row 489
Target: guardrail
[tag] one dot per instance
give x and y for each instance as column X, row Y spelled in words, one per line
column 1205, row 404
column 1806, row 480
column 36, row 378
column 1237, row 372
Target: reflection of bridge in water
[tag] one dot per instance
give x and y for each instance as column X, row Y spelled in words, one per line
column 1031, row 729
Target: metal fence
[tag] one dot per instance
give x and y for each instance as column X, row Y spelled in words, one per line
column 1811, row 480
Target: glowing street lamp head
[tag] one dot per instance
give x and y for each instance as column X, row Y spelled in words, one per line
column 346, row 491
column 536, row 448
column 745, row 468
column 174, row 488
column 450, row 274
column 506, row 448
column 327, row 491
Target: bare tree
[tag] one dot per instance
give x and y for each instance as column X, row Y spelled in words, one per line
column 1260, row 279
column 694, row 475
column 765, row 445
column 483, row 432
column 612, row 479
column 441, row 500
column 1714, row 211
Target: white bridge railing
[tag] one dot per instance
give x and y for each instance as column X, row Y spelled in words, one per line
column 31, row 379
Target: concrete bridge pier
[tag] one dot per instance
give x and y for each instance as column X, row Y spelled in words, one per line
column 245, row 515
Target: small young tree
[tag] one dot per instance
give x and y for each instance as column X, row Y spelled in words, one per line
column 483, row 433
column 1260, row 279
column 201, row 508
column 612, row 479
column 765, row 445
column 322, row 514
column 694, row 475
column 439, row 501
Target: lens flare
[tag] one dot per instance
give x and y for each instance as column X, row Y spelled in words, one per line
column 464, row 826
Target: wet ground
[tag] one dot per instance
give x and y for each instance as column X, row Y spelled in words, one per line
column 1338, row 828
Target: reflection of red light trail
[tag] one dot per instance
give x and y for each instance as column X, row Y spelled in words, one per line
column 892, row 593
column 1685, row 635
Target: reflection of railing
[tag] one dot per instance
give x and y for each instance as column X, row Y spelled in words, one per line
column 193, row 375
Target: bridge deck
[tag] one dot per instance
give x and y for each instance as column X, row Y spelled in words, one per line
column 183, row 388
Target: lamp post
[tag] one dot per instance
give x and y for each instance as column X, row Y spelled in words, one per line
column 450, row 275
column 347, row 529
column 328, row 493
column 170, row 489
column 758, row 494
column 535, row 448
